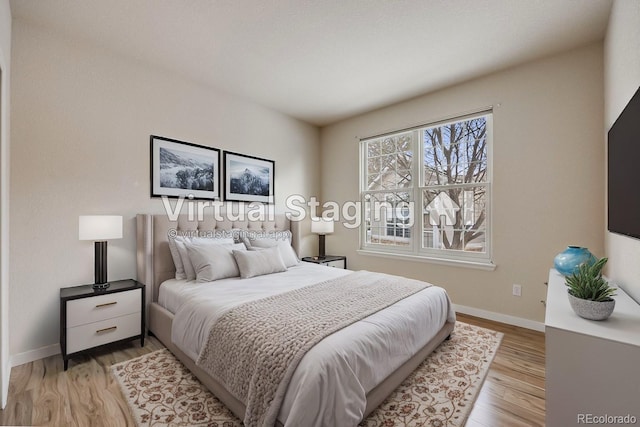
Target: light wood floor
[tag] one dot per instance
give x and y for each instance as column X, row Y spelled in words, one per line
column 41, row 393
column 513, row 392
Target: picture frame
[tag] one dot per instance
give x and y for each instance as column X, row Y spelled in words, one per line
column 183, row 169
column 248, row 178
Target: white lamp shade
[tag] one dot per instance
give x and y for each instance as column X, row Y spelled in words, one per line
column 100, row 227
column 321, row 225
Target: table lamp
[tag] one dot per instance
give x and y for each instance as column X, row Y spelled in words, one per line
column 321, row 227
column 100, row 228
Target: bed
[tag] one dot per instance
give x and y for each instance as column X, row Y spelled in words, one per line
column 178, row 310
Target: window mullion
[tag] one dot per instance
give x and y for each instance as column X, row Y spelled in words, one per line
column 418, row 231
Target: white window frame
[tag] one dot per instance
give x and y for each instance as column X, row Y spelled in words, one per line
column 415, row 251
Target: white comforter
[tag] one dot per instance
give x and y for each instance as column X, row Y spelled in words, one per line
column 330, row 384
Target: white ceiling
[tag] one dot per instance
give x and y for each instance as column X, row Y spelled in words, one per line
column 325, row 60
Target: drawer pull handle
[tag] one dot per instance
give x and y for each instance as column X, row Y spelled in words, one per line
column 113, row 328
column 106, row 304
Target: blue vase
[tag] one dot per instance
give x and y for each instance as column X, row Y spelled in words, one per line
column 568, row 261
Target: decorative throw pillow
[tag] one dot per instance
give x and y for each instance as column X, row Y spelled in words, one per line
column 257, row 263
column 248, row 236
column 213, row 262
column 286, row 251
column 181, row 242
column 213, row 240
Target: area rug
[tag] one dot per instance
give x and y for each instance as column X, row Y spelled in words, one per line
column 161, row 392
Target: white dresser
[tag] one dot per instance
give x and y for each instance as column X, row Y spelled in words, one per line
column 592, row 367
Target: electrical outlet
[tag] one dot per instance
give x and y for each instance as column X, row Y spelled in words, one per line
column 517, row 290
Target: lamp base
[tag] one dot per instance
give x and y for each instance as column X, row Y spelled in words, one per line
column 321, row 250
column 100, row 286
column 100, row 267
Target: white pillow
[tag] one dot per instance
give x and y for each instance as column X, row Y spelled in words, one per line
column 181, row 241
column 239, row 234
column 286, row 251
column 248, row 236
column 257, row 263
column 213, row 240
column 177, row 261
column 214, row 262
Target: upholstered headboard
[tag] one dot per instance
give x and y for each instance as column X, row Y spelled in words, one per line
column 154, row 262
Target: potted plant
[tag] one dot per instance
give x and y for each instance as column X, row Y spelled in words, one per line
column 590, row 295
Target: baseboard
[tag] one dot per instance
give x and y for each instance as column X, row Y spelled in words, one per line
column 50, row 350
column 499, row 317
column 31, row 355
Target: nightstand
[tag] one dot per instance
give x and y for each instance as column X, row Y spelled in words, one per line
column 337, row 261
column 91, row 318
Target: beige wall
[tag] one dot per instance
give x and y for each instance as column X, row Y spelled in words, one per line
column 81, row 120
column 5, row 66
column 622, row 79
column 548, row 177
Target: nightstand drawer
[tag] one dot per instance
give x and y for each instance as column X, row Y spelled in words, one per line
column 335, row 264
column 90, row 310
column 103, row 332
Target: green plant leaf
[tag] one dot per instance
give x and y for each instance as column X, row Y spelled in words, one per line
column 587, row 282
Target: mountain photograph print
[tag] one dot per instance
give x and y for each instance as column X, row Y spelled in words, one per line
column 179, row 169
column 247, row 178
column 182, row 169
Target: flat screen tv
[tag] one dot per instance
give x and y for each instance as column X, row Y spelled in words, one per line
column 624, row 171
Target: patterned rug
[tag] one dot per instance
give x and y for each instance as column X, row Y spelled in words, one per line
column 440, row 392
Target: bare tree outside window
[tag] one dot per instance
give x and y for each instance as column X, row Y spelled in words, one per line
column 437, row 204
column 454, row 194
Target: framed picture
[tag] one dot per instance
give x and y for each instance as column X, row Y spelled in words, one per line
column 180, row 168
column 247, row 178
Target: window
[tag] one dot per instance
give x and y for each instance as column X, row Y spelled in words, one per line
column 426, row 191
